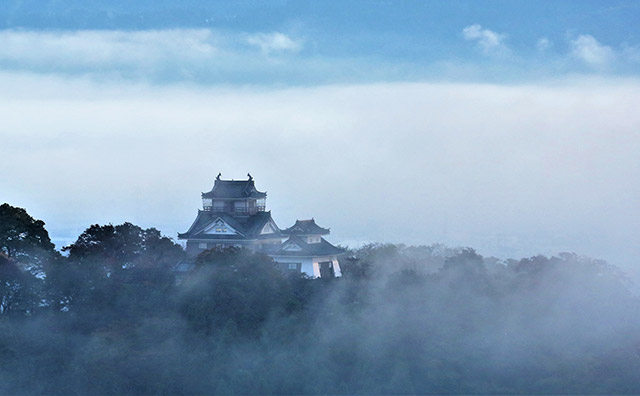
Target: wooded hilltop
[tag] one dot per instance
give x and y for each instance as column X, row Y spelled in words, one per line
column 110, row 315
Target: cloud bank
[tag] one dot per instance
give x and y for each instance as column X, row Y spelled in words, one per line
column 200, row 55
column 510, row 170
column 104, row 49
column 209, row 57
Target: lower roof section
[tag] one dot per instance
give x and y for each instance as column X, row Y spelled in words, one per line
column 298, row 247
column 245, row 227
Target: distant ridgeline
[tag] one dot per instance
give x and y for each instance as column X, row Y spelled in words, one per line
column 233, row 215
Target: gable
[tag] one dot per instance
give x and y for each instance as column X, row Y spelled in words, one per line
column 268, row 228
column 291, row 247
column 220, row 227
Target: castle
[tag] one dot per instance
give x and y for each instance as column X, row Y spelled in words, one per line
column 234, row 214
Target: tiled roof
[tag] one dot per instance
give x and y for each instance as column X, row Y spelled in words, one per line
column 306, row 227
column 249, row 227
column 230, row 189
column 324, row 248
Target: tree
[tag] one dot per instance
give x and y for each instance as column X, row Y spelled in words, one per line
column 23, row 238
column 25, row 249
column 16, row 288
column 124, row 246
column 369, row 260
column 235, row 288
column 111, row 266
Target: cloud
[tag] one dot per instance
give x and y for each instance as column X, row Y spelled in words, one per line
column 201, row 55
column 270, row 43
column 590, row 51
column 488, row 40
column 100, row 49
column 543, row 44
column 631, row 53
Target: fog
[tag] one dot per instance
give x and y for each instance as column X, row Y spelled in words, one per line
column 513, row 170
column 402, row 320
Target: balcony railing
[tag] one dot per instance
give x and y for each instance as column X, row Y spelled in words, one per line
column 253, row 210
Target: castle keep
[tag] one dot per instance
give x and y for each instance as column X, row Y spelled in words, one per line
column 234, row 215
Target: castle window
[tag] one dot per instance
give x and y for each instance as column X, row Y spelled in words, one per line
column 240, row 206
column 202, row 245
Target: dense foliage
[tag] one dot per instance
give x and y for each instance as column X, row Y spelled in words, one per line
column 113, row 317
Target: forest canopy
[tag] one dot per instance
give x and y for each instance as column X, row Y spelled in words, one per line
column 111, row 315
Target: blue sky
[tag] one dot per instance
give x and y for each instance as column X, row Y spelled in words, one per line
column 355, row 41
column 508, row 126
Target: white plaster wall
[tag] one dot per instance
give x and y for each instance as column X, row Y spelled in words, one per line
column 310, row 266
column 333, row 259
column 309, row 269
column 336, row 267
column 306, row 266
